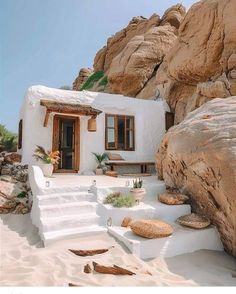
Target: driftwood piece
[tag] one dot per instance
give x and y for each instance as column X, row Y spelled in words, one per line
column 90, row 252
column 112, row 270
column 87, row 269
column 73, row 285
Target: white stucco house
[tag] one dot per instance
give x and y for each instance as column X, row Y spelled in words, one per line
column 78, row 123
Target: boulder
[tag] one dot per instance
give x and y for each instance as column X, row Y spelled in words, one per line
column 172, row 198
column 12, row 158
column 194, row 220
column 116, row 43
column 11, row 190
column 151, row 229
column 131, row 69
column 203, row 53
column 174, row 15
column 84, row 73
column 7, row 206
column 198, row 157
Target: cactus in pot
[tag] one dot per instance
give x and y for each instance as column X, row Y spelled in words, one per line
column 138, row 191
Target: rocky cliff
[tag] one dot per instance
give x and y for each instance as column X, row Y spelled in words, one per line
column 132, row 57
column 188, row 59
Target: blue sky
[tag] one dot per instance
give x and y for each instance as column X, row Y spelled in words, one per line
column 48, row 41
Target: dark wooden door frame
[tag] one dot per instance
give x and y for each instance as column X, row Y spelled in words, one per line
column 55, row 141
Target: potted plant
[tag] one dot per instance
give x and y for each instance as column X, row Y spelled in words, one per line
column 47, row 158
column 137, row 191
column 100, row 159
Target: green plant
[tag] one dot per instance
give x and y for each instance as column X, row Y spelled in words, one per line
column 100, row 158
column 137, row 183
column 119, row 200
column 110, row 198
column 103, row 81
column 124, row 201
column 8, row 140
column 22, row 194
column 46, row 156
column 94, row 77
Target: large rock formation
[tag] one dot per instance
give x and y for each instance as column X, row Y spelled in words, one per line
column 187, row 59
column 202, row 60
column 131, row 57
column 133, row 67
column 198, row 157
column 84, row 73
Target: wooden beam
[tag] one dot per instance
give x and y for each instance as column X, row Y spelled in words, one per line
column 45, row 124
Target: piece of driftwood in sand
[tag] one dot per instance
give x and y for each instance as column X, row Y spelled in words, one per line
column 112, row 270
column 73, row 285
column 90, row 252
column 87, row 269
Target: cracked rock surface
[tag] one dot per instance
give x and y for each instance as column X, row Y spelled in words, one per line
column 198, row 157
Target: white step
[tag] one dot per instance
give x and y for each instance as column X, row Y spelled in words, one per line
column 148, row 210
column 183, row 240
column 50, row 237
column 64, row 197
column 67, row 209
column 69, row 221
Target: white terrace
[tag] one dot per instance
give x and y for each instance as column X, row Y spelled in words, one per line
column 71, row 205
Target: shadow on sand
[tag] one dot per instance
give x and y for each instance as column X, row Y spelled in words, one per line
column 22, row 225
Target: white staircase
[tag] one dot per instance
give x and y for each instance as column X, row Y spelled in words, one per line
column 63, row 215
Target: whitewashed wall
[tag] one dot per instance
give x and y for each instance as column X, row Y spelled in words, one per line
column 149, row 124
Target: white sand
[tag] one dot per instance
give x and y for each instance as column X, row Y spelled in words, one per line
column 24, row 262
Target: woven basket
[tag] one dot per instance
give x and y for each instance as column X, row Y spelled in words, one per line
column 194, row 220
column 173, row 199
column 126, row 222
column 151, row 229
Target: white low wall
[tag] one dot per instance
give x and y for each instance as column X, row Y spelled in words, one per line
column 149, row 123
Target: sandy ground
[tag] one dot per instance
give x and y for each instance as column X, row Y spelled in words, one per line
column 25, row 262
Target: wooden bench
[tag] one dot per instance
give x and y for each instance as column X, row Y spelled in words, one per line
column 143, row 164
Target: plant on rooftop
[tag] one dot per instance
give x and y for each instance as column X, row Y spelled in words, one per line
column 103, row 82
column 94, row 77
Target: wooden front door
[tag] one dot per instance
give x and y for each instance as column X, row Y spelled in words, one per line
column 66, row 139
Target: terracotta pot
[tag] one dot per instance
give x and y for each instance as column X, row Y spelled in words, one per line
column 138, row 193
column 99, row 171
column 47, row 169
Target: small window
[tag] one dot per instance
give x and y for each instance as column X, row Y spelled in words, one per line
column 119, row 132
column 20, row 134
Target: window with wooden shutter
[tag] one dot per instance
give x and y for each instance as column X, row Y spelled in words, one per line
column 119, row 132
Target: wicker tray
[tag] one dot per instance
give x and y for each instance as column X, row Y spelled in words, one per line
column 151, row 229
column 193, row 220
